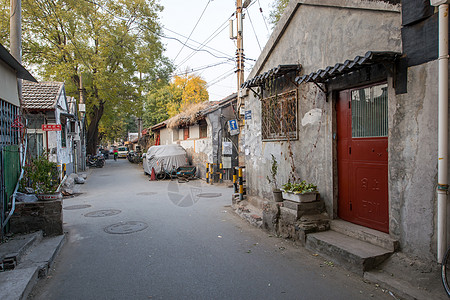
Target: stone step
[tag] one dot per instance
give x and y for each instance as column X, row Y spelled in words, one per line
column 12, row 251
column 356, row 255
column 309, row 208
column 365, row 234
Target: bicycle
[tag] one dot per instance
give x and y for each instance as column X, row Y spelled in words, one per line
column 445, row 267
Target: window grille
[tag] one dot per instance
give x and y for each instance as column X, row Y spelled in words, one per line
column 9, row 135
column 370, row 112
column 279, row 117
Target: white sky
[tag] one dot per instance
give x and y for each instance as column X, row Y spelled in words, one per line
column 180, row 17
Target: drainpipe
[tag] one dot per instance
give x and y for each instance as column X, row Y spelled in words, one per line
column 442, row 189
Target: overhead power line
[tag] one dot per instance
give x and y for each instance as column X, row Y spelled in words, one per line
column 198, row 21
column 165, row 36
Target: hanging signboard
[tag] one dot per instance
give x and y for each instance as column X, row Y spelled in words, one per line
column 233, row 127
column 51, row 127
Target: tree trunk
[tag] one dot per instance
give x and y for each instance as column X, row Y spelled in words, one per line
column 92, row 131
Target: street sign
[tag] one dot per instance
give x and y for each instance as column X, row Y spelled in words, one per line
column 233, row 127
column 248, row 115
column 51, row 127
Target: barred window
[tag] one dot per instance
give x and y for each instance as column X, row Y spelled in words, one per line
column 9, row 132
column 279, row 117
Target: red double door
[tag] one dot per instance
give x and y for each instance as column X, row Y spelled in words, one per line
column 362, row 156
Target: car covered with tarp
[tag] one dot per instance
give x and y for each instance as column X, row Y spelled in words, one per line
column 164, row 158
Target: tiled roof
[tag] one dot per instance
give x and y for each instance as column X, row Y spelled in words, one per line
column 274, row 72
column 359, row 62
column 41, row 95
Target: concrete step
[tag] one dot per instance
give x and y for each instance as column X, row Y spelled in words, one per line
column 43, row 254
column 365, row 234
column 356, row 255
column 13, row 250
column 17, row 283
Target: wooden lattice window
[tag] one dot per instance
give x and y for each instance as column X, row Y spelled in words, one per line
column 279, row 117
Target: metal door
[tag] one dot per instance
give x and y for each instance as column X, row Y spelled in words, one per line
column 362, row 143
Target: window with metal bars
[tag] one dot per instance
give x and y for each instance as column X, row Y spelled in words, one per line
column 9, row 134
column 279, row 117
column 370, row 112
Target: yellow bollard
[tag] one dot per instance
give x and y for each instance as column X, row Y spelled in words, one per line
column 241, row 185
column 235, row 185
column 221, row 172
column 207, row 172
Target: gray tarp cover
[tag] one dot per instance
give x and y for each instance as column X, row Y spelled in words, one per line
column 168, row 155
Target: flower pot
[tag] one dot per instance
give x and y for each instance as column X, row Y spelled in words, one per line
column 300, row 198
column 49, row 197
column 277, row 195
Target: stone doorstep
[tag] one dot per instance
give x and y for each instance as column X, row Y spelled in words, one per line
column 12, row 252
column 356, row 255
column 365, row 234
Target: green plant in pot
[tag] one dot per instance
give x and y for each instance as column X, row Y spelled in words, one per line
column 278, row 197
column 42, row 176
column 299, row 192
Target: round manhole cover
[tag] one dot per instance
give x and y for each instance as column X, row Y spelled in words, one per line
column 209, row 195
column 103, row 213
column 126, row 227
column 73, row 207
column 146, row 193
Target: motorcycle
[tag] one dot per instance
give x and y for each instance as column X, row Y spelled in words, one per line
column 97, row 161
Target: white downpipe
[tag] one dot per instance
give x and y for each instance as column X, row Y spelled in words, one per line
column 442, row 190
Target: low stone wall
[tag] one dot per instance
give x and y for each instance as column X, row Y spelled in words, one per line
column 40, row 215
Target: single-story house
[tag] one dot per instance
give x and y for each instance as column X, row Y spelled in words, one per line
column 203, row 131
column 344, row 95
column 50, row 122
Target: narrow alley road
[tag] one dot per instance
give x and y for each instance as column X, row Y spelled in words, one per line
column 131, row 238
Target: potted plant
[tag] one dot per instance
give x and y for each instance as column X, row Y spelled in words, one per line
column 299, row 192
column 43, row 177
column 278, row 197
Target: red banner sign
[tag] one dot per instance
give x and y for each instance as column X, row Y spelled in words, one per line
column 51, row 127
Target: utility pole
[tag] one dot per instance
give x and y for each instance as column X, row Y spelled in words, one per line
column 82, row 110
column 15, row 29
column 240, row 47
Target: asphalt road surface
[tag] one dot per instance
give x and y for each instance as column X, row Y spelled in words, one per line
column 131, row 238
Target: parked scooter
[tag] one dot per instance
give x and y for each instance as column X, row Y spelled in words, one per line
column 97, row 161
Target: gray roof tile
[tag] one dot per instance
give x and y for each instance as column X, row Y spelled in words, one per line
column 41, row 95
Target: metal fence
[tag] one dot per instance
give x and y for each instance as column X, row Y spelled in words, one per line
column 10, row 128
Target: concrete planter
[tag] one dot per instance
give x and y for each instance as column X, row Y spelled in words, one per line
column 277, row 195
column 49, row 197
column 300, row 198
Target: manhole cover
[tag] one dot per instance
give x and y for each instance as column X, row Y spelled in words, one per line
column 103, row 213
column 209, row 195
column 146, row 193
column 126, row 227
column 73, row 207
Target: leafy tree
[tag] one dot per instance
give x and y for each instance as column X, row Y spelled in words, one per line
column 170, row 99
column 278, row 7
column 115, row 44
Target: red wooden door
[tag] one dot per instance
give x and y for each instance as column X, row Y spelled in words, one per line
column 362, row 144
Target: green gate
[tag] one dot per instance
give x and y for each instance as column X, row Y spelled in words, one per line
column 10, row 172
